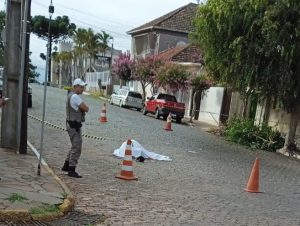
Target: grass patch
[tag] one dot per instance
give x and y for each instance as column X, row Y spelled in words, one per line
column 64, row 195
column 14, row 197
column 97, row 94
column 45, row 209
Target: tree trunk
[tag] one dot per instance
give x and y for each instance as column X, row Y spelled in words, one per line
column 290, row 136
column 267, row 110
column 121, row 83
column 246, row 108
column 194, row 106
column 144, row 91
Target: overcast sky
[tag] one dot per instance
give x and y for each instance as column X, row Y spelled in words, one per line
column 116, row 17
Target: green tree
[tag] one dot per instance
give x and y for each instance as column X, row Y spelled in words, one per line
column 64, row 59
column 61, row 28
column 104, row 42
column 88, row 44
column 33, row 74
column 79, row 38
column 253, row 47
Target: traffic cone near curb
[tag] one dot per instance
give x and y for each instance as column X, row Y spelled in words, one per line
column 168, row 125
column 253, row 182
column 103, row 114
column 127, row 171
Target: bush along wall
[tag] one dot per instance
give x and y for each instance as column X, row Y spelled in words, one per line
column 245, row 132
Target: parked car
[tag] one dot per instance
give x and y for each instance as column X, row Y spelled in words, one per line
column 127, row 98
column 162, row 104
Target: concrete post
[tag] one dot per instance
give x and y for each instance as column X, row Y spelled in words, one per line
column 9, row 127
column 25, row 73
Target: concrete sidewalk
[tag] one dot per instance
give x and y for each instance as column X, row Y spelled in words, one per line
column 26, row 196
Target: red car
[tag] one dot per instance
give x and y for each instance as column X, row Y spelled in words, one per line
column 162, row 104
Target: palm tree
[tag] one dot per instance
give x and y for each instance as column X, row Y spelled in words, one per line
column 87, row 45
column 79, row 38
column 64, row 59
column 92, row 45
column 104, row 39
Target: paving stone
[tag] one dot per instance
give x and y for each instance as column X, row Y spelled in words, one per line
column 203, row 188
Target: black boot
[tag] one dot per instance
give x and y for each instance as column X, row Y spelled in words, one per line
column 66, row 167
column 72, row 172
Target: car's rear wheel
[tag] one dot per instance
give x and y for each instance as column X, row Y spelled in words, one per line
column 165, row 117
column 178, row 120
column 157, row 116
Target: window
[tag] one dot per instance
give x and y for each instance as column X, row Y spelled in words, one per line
column 167, row 97
column 136, row 95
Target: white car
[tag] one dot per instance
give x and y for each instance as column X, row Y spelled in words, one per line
column 127, row 98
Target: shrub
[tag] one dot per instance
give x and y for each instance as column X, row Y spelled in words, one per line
column 68, row 88
column 245, row 132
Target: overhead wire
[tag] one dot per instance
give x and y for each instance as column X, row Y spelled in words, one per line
column 125, row 39
column 86, row 23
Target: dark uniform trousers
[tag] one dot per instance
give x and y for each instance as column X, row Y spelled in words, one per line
column 76, row 141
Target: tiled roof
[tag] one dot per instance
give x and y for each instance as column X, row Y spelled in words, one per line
column 182, row 53
column 178, row 20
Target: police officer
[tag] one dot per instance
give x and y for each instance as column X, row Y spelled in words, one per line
column 75, row 110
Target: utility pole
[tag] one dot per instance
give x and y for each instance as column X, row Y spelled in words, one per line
column 9, row 123
column 51, row 11
column 14, row 115
column 26, row 5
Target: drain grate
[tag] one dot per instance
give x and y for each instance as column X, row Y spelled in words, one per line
column 75, row 218
column 24, row 223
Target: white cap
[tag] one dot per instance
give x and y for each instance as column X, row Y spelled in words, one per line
column 79, row 82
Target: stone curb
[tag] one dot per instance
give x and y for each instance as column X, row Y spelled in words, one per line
column 285, row 152
column 15, row 215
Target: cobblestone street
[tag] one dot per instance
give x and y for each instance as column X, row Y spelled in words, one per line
column 202, row 185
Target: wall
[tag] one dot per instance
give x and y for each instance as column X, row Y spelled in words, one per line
column 236, row 106
column 211, row 104
column 92, row 80
column 278, row 119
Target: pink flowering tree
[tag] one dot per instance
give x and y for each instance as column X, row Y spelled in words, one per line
column 123, row 67
column 145, row 71
column 172, row 77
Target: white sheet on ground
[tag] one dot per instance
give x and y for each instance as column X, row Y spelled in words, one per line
column 138, row 150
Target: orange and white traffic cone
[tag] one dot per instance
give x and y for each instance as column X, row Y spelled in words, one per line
column 103, row 114
column 168, row 125
column 253, row 182
column 127, row 171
